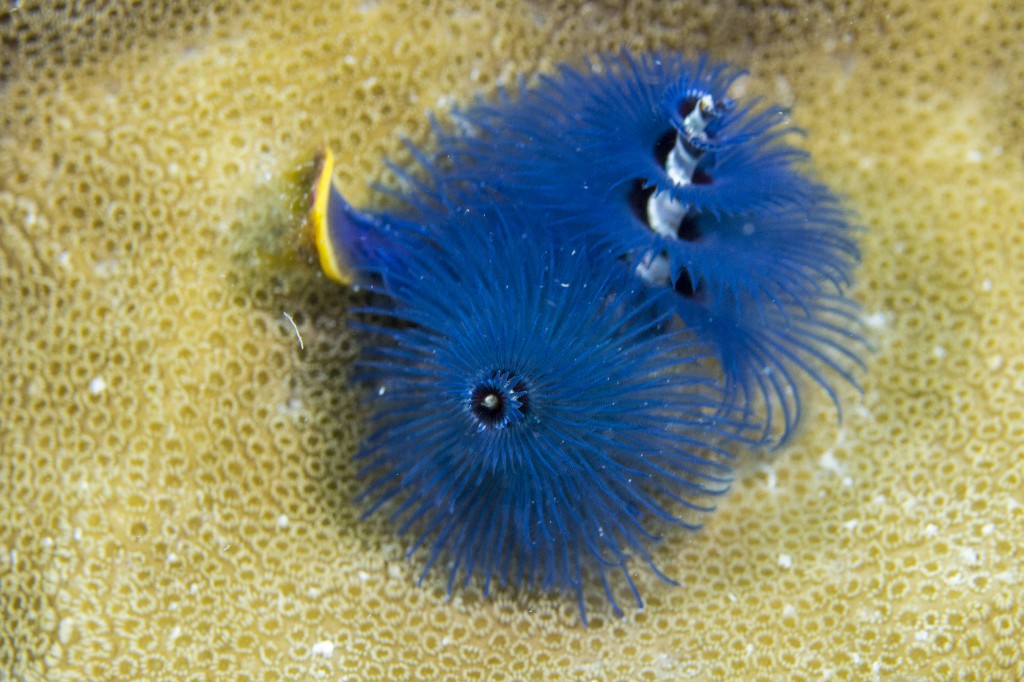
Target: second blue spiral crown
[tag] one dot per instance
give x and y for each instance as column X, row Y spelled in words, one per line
column 650, row 159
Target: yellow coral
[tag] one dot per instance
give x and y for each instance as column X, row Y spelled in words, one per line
column 177, row 488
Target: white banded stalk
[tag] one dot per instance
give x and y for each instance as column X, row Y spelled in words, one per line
column 664, row 213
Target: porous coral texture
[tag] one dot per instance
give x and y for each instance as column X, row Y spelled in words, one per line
column 177, row 491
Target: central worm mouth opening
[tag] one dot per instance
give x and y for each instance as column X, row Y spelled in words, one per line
column 500, row 400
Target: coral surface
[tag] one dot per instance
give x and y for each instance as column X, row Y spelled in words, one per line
column 176, row 477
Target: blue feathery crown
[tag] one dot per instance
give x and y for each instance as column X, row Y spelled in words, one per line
column 603, row 286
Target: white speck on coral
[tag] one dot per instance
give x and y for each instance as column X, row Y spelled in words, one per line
column 939, row 352
column 851, row 524
column 828, row 462
column 968, row 556
column 76, row 534
column 97, row 385
column 863, row 412
column 931, row 530
column 988, row 529
column 772, row 479
column 784, row 91
column 64, row 259
column 876, row 320
column 1008, row 577
column 732, row 597
column 324, row 648
column 64, row 630
column 847, row 481
column 995, row 362
column 785, row 561
column 788, row 611
column 174, row 633
column 363, row 576
column 975, row 156
column 47, row 542
column 986, row 285
column 193, row 588
column 282, row 521
column 739, row 87
column 105, row 268
column 921, row 636
column 171, row 557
